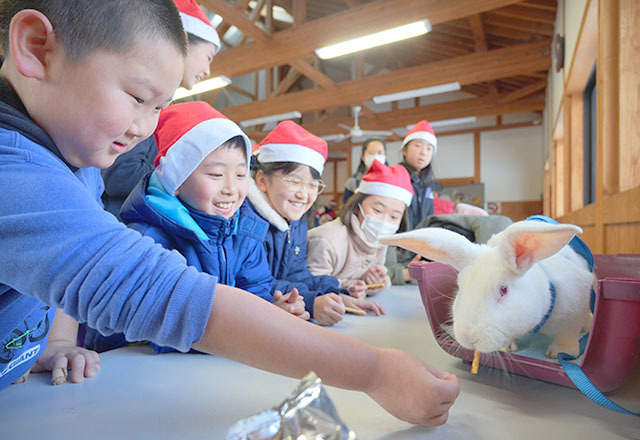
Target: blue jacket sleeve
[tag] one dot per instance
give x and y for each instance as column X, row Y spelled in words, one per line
column 254, row 275
column 64, row 249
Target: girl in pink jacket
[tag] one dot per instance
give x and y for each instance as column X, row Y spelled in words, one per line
column 347, row 247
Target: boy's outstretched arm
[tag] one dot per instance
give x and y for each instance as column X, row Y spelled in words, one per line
column 268, row 338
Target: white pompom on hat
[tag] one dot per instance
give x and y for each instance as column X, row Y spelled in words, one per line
column 422, row 130
column 387, row 181
column 195, row 21
column 289, row 142
column 187, row 133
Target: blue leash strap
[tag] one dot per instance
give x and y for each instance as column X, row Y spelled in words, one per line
column 582, row 382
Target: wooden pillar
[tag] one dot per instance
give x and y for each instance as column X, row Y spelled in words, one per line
column 608, row 118
column 629, row 100
column 566, row 152
column 476, row 157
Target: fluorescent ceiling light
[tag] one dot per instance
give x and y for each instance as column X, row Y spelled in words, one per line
column 203, row 86
column 446, row 122
column 433, row 90
column 376, row 39
column 272, row 118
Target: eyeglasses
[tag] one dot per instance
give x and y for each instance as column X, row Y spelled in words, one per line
column 296, row 184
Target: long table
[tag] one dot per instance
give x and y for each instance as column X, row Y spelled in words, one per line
column 140, row 395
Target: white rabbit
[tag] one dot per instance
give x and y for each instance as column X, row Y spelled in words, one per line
column 504, row 286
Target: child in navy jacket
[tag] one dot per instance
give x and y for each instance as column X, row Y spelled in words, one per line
column 287, row 173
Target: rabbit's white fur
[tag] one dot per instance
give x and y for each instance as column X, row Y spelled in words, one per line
column 524, row 258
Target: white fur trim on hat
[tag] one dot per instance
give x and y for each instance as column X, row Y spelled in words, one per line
column 424, row 135
column 184, row 156
column 199, row 28
column 385, row 190
column 291, row 153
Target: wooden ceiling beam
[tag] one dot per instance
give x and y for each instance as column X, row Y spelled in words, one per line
column 467, row 69
column 533, row 27
column 483, row 106
column 314, row 75
column 240, row 5
column 299, row 13
column 291, row 44
column 525, row 91
column 237, row 19
column 286, row 83
column 524, row 13
column 481, row 43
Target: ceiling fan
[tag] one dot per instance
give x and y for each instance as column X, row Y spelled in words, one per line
column 355, row 131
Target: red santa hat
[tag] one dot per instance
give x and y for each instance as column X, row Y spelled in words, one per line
column 195, row 21
column 422, row 130
column 289, row 142
column 187, row 133
column 387, row 181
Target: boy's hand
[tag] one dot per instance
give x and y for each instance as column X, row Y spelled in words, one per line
column 328, row 309
column 291, row 302
column 362, row 304
column 59, row 356
column 356, row 288
column 412, row 390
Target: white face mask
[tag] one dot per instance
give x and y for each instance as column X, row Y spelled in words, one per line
column 374, row 227
column 368, row 160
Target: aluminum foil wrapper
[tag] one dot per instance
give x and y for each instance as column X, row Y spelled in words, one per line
column 308, row 413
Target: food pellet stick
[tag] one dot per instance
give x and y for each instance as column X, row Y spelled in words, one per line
column 354, row 311
column 476, row 362
column 59, row 376
column 375, row 286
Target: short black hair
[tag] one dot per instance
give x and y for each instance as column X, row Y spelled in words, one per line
column 85, row 26
column 235, row 143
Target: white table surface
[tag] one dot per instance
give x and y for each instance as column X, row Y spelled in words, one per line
column 139, row 395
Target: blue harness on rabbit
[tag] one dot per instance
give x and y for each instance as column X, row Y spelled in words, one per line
column 579, row 247
column 573, row 370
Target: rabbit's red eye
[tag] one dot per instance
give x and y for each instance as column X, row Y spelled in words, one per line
column 504, row 290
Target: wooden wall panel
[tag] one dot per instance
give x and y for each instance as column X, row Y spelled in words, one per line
column 517, row 211
column 629, row 102
column 618, row 238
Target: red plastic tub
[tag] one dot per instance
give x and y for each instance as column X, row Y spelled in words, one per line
column 613, row 348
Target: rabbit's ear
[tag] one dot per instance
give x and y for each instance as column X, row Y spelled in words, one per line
column 435, row 244
column 525, row 243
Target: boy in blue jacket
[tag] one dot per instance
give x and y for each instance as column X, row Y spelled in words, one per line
column 193, row 203
column 82, row 82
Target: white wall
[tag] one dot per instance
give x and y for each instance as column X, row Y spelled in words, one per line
column 511, row 164
column 511, row 161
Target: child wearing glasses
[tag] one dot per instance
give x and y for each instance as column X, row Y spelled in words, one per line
column 193, row 202
column 287, row 180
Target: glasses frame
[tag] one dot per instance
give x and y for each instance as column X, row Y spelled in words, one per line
column 297, row 184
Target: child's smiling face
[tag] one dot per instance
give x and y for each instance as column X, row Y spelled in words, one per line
column 219, row 185
column 289, row 200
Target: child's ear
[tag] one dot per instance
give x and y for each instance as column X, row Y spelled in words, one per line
column 261, row 181
column 31, row 37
